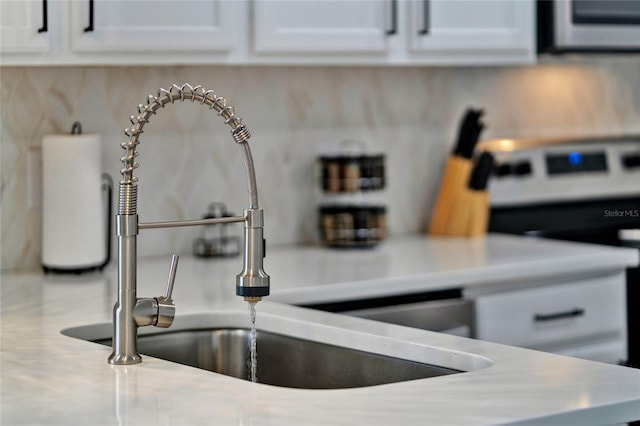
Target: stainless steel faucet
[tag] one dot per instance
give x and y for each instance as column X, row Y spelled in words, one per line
column 131, row 312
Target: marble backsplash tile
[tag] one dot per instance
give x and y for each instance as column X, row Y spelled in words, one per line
column 188, row 159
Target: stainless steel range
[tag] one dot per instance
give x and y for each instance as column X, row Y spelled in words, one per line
column 585, row 190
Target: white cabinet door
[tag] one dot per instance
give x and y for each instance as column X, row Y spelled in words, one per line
column 305, row 26
column 153, row 25
column 24, row 26
column 468, row 28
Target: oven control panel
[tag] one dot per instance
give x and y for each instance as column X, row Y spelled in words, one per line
column 631, row 160
column 527, row 172
column 575, row 162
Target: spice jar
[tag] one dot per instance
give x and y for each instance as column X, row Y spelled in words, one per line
column 352, row 225
column 352, row 173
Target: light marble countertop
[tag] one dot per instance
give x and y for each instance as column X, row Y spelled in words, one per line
column 417, row 263
column 49, row 378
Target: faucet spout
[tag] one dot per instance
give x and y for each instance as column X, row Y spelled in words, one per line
column 239, row 132
column 252, row 283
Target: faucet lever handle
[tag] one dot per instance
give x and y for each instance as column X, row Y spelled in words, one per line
column 172, row 276
column 166, row 307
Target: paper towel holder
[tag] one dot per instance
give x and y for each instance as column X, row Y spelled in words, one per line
column 107, row 189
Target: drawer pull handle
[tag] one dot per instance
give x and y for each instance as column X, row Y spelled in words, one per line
column 394, row 18
column 89, row 28
column 45, row 18
column 576, row 312
column 425, row 18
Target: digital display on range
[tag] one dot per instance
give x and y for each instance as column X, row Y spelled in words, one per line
column 576, row 162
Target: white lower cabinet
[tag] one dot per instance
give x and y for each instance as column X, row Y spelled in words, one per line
column 585, row 318
column 612, row 351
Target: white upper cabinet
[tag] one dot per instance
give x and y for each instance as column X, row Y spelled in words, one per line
column 141, row 25
column 305, row 26
column 485, row 30
column 115, row 32
column 24, row 26
column 312, row 32
column 471, row 32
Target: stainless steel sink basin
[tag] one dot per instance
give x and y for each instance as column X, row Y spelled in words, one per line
column 282, row 360
column 290, row 360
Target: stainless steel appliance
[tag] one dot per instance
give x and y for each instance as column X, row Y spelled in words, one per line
column 588, row 25
column 585, row 190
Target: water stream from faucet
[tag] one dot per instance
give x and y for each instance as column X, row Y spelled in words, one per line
column 253, row 344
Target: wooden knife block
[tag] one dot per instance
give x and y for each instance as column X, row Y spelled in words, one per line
column 459, row 211
column 452, row 189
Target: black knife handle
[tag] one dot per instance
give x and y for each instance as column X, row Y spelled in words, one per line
column 468, row 133
column 481, row 172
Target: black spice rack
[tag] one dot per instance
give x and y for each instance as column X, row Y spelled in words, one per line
column 348, row 216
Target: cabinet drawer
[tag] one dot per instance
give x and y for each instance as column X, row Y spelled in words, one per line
column 556, row 314
column 611, row 352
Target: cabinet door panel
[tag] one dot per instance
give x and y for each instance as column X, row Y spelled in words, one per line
column 321, row 25
column 23, row 26
column 140, row 25
column 471, row 24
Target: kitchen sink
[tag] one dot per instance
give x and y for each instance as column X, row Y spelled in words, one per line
column 287, row 360
column 282, row 360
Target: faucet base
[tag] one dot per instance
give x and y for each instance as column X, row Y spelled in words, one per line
column 121, row 359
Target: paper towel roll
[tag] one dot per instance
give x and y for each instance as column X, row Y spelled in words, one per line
column 74, row 211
